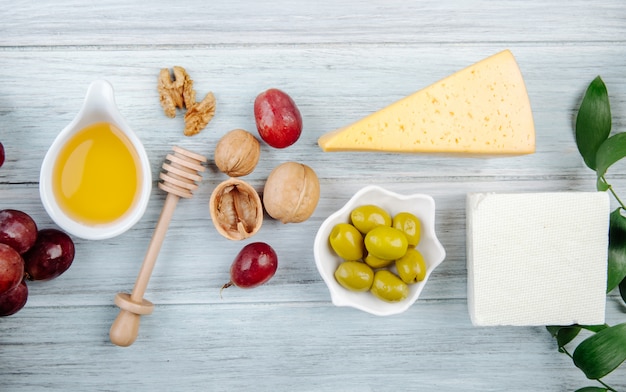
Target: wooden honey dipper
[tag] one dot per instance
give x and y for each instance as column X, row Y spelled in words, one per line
column 178, row 178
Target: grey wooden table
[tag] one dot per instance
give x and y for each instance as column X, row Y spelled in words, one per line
column 340, row 61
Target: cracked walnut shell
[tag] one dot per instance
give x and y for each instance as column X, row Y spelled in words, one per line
column 237, row 153
column 236, row 209
column 291, row 192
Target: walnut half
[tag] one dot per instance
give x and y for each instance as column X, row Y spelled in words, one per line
column 236, row 209
column 176, row 93
column 199, row 115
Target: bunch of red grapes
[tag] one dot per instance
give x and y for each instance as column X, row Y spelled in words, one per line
column 28, row 254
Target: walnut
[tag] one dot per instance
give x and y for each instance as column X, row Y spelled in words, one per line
column 179, row 94
column 237, row 153
column 236, row 209
column 199, row 115
column 291, row 192
column 189, row 94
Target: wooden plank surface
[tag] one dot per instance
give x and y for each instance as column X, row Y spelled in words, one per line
column 340, row 61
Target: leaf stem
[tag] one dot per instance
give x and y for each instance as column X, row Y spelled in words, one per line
column 564, row 350
column 613, row 193
column 608, row 387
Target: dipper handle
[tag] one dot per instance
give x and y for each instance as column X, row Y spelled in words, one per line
column 178, row 178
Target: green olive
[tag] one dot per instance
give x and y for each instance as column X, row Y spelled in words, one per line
column 388, row 287
column 386, row 243
column 354, row 275
column 411, row 267
column 410, row 225
column 368, row 216
column 375, row 262
column 347, row 241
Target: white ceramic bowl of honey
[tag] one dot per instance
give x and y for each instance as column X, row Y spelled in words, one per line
column 95, row 179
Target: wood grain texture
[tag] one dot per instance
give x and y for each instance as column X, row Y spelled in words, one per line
column 340, row 61
column 238, row 22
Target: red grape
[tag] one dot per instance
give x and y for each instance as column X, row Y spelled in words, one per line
column 277, row 117
column 255, row 264
column 51, row 255
column 11, row 268
column 1, row 154
column 17, row 229
column 13, row 300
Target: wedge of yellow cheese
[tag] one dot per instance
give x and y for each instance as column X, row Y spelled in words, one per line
column 482, row 109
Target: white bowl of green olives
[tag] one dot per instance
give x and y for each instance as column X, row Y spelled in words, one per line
column 377, row 252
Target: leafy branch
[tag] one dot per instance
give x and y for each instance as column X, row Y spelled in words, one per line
column 603, row 351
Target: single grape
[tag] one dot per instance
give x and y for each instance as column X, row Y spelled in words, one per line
column 277, row 117
column 1, row 154
column 11, row 268
column 254, row 265
column 13, row 300
column 51, row 255
column 17, row 229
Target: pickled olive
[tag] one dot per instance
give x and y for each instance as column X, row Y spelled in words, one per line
column 366, row 217
column 354, row 275
column 411, row 267
column 375, row 262
column 410, row 225
column 388, row 287
column 386, row 243
column 347, row 241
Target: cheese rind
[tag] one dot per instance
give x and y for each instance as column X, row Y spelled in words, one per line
column 482, row 109
column 537, row 258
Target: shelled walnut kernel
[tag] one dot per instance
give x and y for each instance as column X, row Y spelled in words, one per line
column 179, row 94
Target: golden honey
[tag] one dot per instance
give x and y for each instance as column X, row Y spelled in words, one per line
column 96, row 177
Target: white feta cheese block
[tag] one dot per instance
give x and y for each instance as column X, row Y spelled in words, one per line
column 537, row 258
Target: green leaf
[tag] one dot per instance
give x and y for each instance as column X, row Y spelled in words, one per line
column 566, row 335
column 622, row 289
column 600, row 354
column 591, row 389
column 593, row 122
column 617, row 250
column 601, row 184
column 553, row 329
column 610, row 151
column 594, row 328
